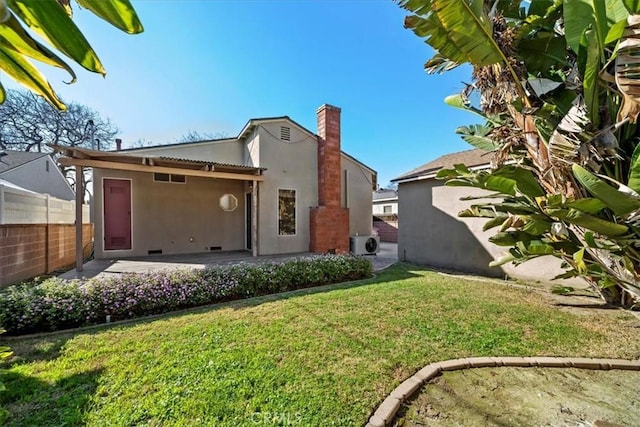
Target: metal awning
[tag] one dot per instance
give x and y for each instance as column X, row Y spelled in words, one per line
column 75, row 156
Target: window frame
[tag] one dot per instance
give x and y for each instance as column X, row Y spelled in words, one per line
column 295, row 212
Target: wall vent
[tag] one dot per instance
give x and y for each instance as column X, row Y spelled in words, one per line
column 285, row 133
column 215, row 248
column 155, row 252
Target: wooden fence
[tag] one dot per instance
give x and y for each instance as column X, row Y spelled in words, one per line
column 30, row 250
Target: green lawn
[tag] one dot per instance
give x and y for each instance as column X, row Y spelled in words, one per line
column 324, row 356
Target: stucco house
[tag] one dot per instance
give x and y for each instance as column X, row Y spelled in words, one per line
column 431, row 233
column 35, row 172
column 385, row 214
column 274, row 188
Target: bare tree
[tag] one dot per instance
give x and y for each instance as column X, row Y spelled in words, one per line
column 194, row 135
column 28, row 123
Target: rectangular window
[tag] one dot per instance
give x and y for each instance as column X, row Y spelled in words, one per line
column 286, row 212
column 165, row 177
column 386, row 209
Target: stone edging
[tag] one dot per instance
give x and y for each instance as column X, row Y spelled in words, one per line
column 384, row 414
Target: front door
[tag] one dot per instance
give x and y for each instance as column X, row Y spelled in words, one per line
column 117, row 214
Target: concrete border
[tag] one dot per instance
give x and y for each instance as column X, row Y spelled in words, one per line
column 386, row 411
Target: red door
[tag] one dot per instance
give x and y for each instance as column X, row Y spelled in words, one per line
column 117, row 214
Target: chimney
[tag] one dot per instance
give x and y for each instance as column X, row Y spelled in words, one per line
column 118, row 144
column 329, row 221
column 329, row 158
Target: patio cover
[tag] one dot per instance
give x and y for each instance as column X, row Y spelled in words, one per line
column 83, row 157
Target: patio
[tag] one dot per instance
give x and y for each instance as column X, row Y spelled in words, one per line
column 105, row 267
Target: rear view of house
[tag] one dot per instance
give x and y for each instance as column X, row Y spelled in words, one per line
column 275, row 188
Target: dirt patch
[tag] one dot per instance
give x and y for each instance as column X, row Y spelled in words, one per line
column 526, row 397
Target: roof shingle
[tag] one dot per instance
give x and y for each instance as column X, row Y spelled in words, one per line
column 470, row 158
column 13, row 159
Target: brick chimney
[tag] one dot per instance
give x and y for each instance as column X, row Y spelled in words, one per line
column 118, row 144
column 329, row 222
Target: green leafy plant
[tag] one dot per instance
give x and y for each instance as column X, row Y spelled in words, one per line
column 52, row 21
column 557, row 84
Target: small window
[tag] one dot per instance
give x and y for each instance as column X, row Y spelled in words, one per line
column 285, row 133
column 386, row 209
column 46, row 165
column 286, row 212
column 228, row 202
column 165, row 177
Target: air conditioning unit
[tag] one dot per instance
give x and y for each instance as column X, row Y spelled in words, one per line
column 365, row 245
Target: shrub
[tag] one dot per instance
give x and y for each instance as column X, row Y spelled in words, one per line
column 58, row 304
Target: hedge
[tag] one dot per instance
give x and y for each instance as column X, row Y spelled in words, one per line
column 56, row 304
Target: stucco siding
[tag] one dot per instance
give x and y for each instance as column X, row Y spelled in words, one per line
column 174, row 217
column 359, row 185
column 431, row 233
column 36, row 176
column 231, row 151
column 290, row 166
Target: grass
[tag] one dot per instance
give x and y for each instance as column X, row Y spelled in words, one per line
column 322, row 356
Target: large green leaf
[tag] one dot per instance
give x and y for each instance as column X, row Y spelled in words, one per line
column 590, row 82
column 619, row 202
column 524, row 179
column 501, row 184
column 600, row 15
column 476, row 135
column 118, row 13
column 458, row 29
column 589, row 205
column 49, row 19
column 14, row 36
column 590, row 222
column 510, row 238
column 633, row 6
column 634, row 173
column 543, row 53
column 20, row 69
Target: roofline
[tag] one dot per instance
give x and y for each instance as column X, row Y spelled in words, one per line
column 433, row 174
column 359, row 162
column 251, row 123
column 386, row 200
column 175, row 144
column 26, row 163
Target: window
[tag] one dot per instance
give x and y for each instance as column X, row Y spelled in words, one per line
column 228, row 202
column 165, row 177
column 286, row 212
column 386, row 209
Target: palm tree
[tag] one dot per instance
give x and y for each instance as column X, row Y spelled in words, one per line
column 559, row 87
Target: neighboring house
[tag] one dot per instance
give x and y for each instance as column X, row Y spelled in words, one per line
column 275, row 188
column 35, row 172
column 385, row 214
column 431, row 233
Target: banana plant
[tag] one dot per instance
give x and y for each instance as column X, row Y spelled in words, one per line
column 51, row 21
column 559, row 89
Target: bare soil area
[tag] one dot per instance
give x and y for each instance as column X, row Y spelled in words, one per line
column 526, row 397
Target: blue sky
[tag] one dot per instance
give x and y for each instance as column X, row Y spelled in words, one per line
column 210, row 65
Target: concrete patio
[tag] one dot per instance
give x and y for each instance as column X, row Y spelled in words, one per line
column 105, row 267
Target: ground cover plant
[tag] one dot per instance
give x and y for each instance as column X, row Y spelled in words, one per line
column 58, row 304
column 323, row 356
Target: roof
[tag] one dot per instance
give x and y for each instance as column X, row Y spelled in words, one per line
column 8, row 184
column 385, row 194
column 150, row 163
column 469, row 158
column 12, row 159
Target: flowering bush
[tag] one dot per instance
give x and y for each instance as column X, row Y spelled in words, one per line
column 58, row 304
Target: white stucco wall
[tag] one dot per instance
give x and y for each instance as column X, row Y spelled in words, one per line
column 36, row 176
column 431, row 233
column 357, row 196
column 378, row 206
column 290, row 166
column 174, row 217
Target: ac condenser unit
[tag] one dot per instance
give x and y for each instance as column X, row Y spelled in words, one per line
column 365, row 245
